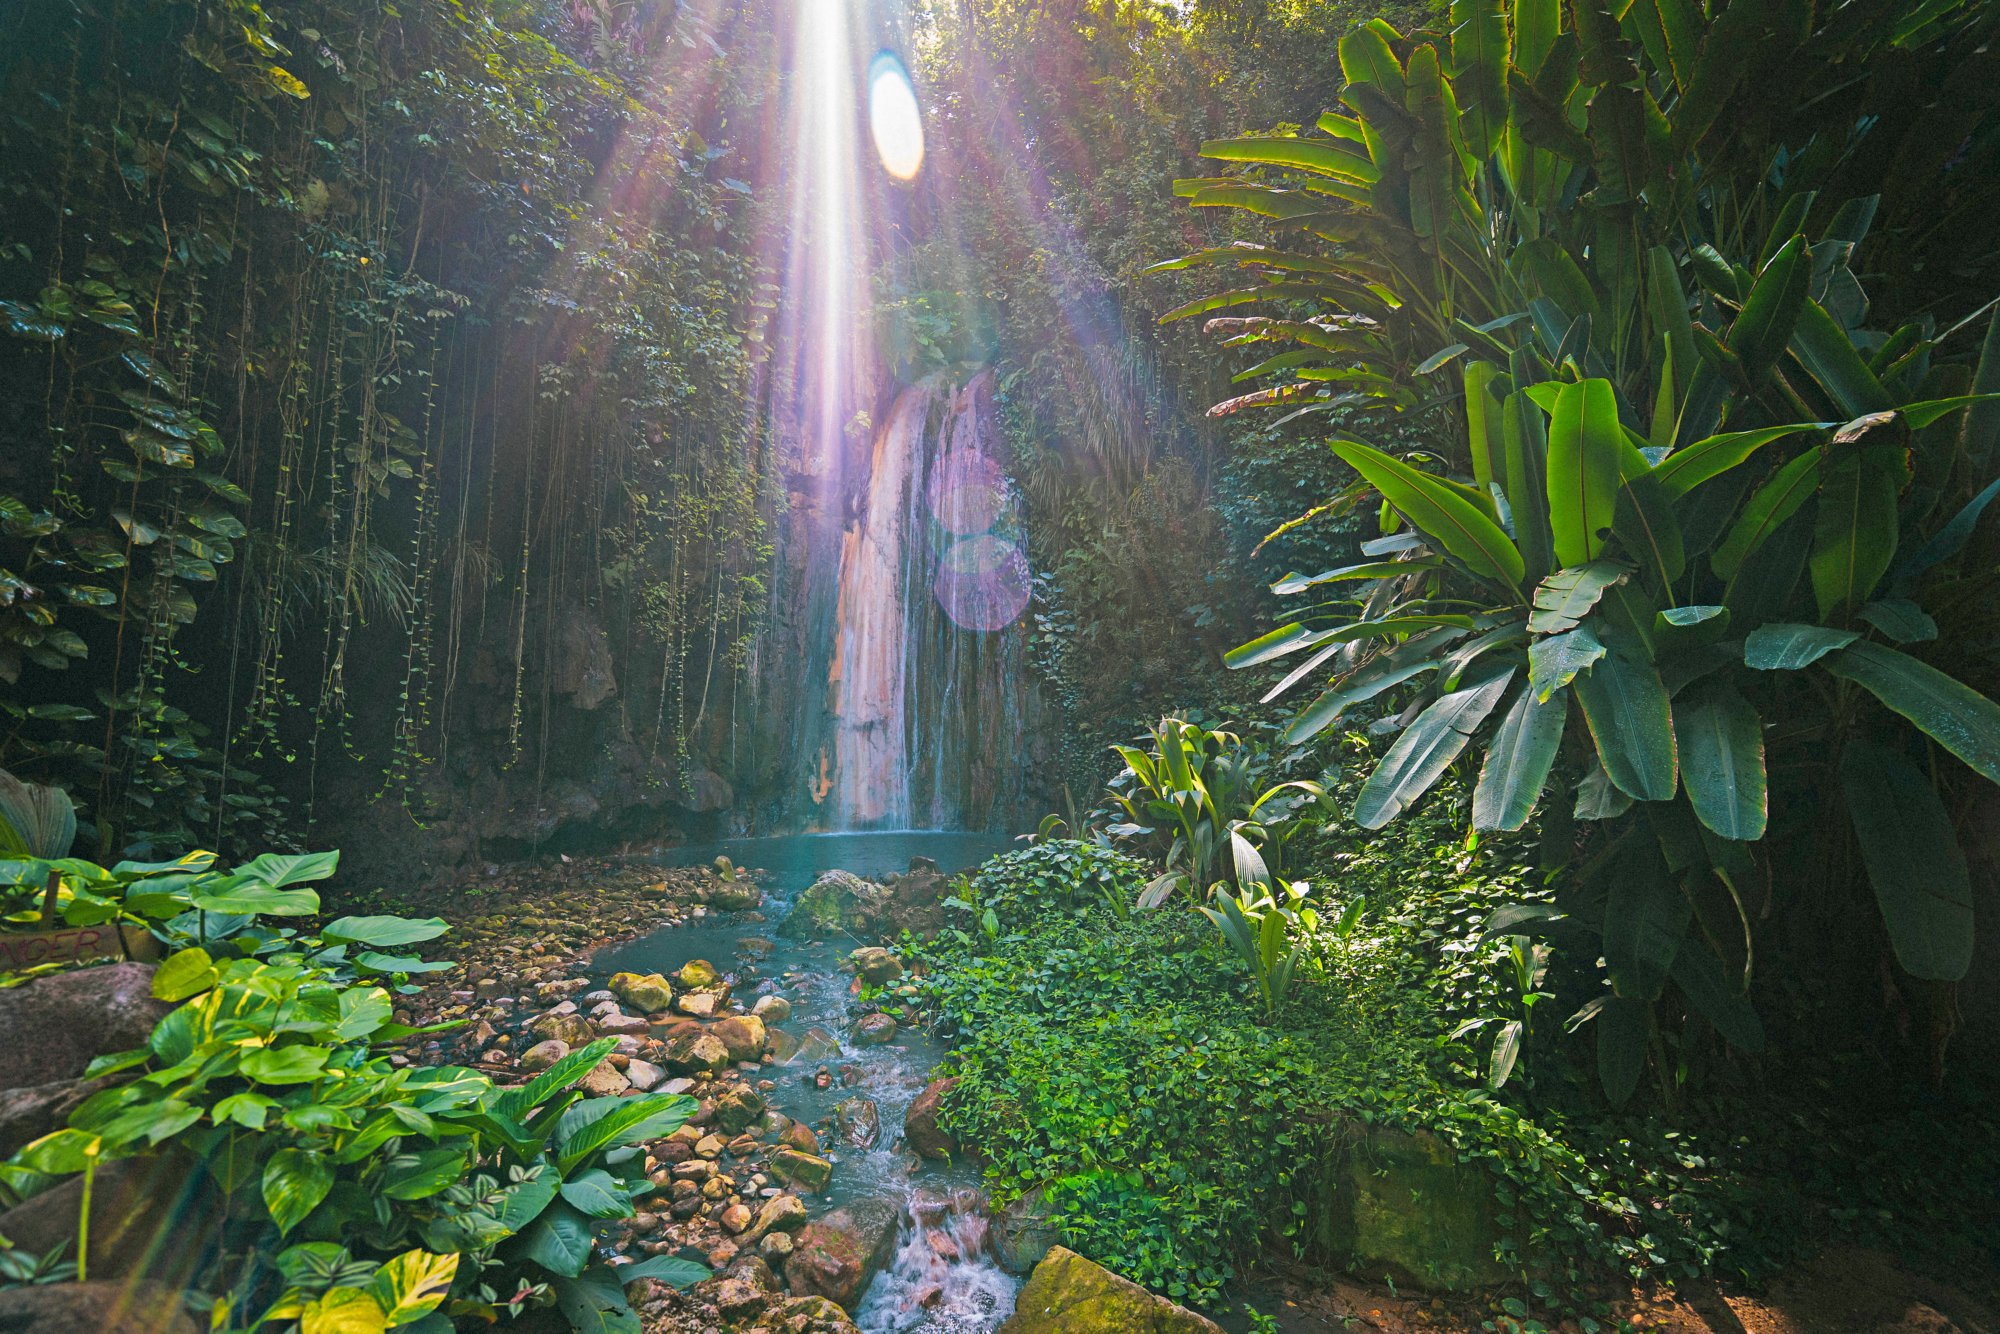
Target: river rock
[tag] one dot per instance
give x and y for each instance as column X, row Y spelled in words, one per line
column 698, row 975
column 699, row 1004
column 921, row 1129
column 737, row 1108
column 605, row 1081
column 781, row 1048
column 772, row 1009
column 734, row 895
column 623, row 1025
column 806, row 1171
column 1068, row 1294
column 781, row 1213
column 106, row 1306
column 837, row 901
column 648, row 993
column 873, row 1030
column 696, row 1053
column 543, row 1055
column 52, row 1027
column 573, row 1029
column 644, row 1075
column 744, row 1035
column 810, row 1315
column 875, row 965
column 798, row 1135
column 835, row 1257
column 859, row 1121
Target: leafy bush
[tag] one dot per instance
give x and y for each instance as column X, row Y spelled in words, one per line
column 348, row 1193
column 1058, row 876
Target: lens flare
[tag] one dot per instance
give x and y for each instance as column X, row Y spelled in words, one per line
column 982, row 582
column 894, row 119
column 967, row 493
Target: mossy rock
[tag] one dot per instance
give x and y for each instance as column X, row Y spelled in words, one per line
column 1068, row 1294
column 1403, row 1207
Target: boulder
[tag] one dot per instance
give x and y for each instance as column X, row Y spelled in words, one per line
column 1068, row 1294
column 1022, row 1233
column 798, row 1135
column 648, row 993
column 105, row 1306
column 734, row 895
column 623, row 1025
column 921, row 1129
column 808, row 1172
column 837, row 901
column 781, row 1213
column 875, row 965
column 604, row 1081
column 836, row 1257
column 573, row 1029
column 859, row 1121
column 543, row 1055
column 149, row 1218
column 645, row 1076
column 744, row 1035
column 810, row 1048
column 52, row 1027
column 772, row 1009
column 695, row 1053
column 707, row 792
column 873, row 1030
column 27, row 1114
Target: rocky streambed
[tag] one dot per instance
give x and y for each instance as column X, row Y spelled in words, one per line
column 814, row 1180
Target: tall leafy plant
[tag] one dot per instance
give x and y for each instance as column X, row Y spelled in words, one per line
column 1689, row 490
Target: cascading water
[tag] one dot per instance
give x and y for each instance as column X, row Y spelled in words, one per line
column 926, row 688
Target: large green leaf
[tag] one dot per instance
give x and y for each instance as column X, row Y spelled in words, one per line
column 1631, row 722
column 36, row 820
column 383, row 932
column 1772, row 503
column 278, row 869
column 1786, row 646
column 1951, row 713
column 611, row 1123
column 1525, row 443
column 1621, row 1046
column 1365, row 684
column 1645, row 918
column 1854, row 533
column 234, row 894
column 1518, row 760
column 1722, row 761
column 1452, row 521
column 1425, row 750
column 1913, row 860
column 597, row 1193
column 668, row 1269
column 413, row 1285
column 1584, row 440
column 558, row 1240
column 594, row 1303
column 1555, row 661
column 1566, row 597
column 1772, row 310
column 1686, row 468
column 1702, row 978
column 295, row 1181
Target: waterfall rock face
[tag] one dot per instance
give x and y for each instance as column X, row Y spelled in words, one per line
column 893, row 680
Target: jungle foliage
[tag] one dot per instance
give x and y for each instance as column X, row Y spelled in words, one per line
column 1676, row 466
column 336, row 380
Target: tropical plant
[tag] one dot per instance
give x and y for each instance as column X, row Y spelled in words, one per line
column 1524, row 963
column 1687, row 469
column 1264, row 922
column 347, row 1188
column 1185, row 797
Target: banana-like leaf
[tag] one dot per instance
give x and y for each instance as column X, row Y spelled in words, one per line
column 1825, row 350
column 1425, row 750
column 1785, row 646
column 1621, row 1047
column 1566, row 597
column 1555, row 661
column 1688, row 467
column 1645, row 918
column 1951, row 713
column 1485, row 435
column 1584, row 441
column 1327, row 157
column 1773, row 503
column 1524, row 443
column 1707, row 984
column 1722, row 762
column 1454, row 522
column 1760, row 333
column 1319, row 715
column 1631, row 721
column 1913, row 860
column 1900, row 619
column 35, row 820
column 1854, row 533
column 1518, row 760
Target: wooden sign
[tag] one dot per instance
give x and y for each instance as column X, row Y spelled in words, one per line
column 25, row 949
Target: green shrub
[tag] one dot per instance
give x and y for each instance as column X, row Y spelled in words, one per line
column 1061, row 876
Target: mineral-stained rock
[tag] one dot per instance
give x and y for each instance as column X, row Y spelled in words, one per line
column 648, row 993
column 874, row 1029
column 734, row 895
column 744, row 1035
column 810, row 1315
column 736, row 1217
column 1022, row 1233
column 543, row 1055
column 920, row 1123
column 695, row 1053
column 837, row 901
column 781, row 1213
column 804, row 1170
column 27, row 1114
column 837, row 1256
column 1068, row 1294
column 699, row 1004
column 571, row 1028
column 799, row 1136
column 698, row 975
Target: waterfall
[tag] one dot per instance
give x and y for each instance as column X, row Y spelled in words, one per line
column 927, row 693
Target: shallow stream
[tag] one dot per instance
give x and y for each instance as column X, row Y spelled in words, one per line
column 942, row 1278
